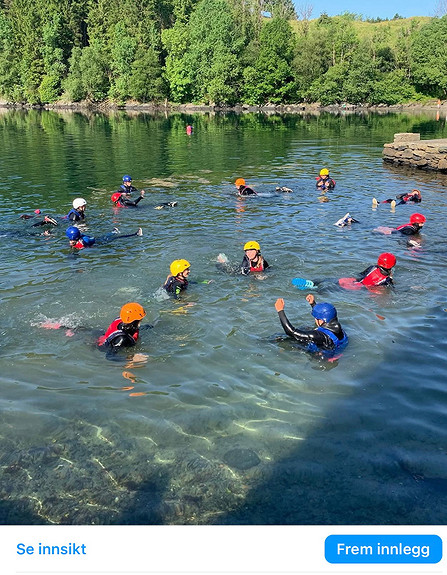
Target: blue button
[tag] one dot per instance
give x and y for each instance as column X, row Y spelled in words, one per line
column 383, row 549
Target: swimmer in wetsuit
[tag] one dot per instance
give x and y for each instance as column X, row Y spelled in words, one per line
column 324, row 182
column 243, row 189
column 373, row 276
column 253, row 260
column 77, row 213
column 127, row 187
column 122, row 199
column 378, row 275
column 123, row 331
column 413, row 227
column 414, row 196
column 327, row 337
column 80, row 241
column 177, row 280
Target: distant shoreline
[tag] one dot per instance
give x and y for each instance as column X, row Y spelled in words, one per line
column 169, row 108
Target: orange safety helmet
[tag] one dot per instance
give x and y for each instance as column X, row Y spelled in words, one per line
column 115, row 197
column 240, row 182
column 131, row 312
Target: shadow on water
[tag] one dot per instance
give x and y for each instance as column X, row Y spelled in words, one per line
column 370, row 462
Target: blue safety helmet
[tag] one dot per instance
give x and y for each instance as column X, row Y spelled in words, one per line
column 73, row 233
column 127, row 178
column 324, row 311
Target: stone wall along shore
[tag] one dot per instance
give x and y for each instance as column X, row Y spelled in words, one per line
column 409, row 150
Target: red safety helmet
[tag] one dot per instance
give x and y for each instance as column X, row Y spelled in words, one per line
column 417, row 219
column 115, row 197
column 386, row 260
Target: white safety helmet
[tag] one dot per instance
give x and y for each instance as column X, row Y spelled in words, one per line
column 78, row 203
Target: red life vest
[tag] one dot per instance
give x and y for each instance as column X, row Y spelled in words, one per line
column 374, row 278
column 79, row 245
column 112, row 331
column 259, row 268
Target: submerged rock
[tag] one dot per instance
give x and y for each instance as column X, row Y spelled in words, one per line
column 241, row 458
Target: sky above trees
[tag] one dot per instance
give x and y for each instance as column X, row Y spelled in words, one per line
column 370, row 9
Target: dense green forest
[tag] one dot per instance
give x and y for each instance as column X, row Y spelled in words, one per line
column 213, row 51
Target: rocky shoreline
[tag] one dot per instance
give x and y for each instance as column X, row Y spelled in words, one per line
column 168, row 108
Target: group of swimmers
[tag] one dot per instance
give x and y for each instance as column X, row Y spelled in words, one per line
column 326, row 338
column 328, row 335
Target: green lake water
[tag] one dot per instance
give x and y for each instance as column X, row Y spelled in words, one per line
column 227, row 421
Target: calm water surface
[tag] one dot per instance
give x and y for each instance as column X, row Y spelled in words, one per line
column 224, row 422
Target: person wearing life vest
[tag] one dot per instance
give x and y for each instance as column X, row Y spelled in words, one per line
column 243, row 189
column 177, row 280
column 77, row 213
column 78, row 240
column 413, row 227
column 253, row 260
column 123, row 331
column 122, row 199
column 378, row 275
column 127, row 187
column 414, row 196
column 327, row 337
column 324, row 182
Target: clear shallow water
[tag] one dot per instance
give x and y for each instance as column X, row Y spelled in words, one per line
column 223, row 423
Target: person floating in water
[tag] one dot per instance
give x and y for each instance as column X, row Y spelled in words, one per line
column 328, row 336
column 377, row 275
column 177, row 280
column 124, row 331
column 413, row 227
column 122, row 199
column 80, row 241
column 77, row 213
column 243, row 189
column 346, row 220
column 46, row 221
column 414, row 196
column 253, row 260
column 373, row 276
column 324, row 182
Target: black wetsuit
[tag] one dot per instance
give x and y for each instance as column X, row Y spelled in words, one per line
column 119, row 335
column 127, row 189
column 47, row 221
column 174, row 285
column 408, row 229
column 247, row 266
column 246, row 191
column 314, row 338
column 123, row 201
column 404, row 199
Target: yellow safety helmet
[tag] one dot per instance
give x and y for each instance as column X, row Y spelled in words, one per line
column 324, row 172
column 252, row 246
column 239, row 182
column 131, row 312
column 179, row 266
